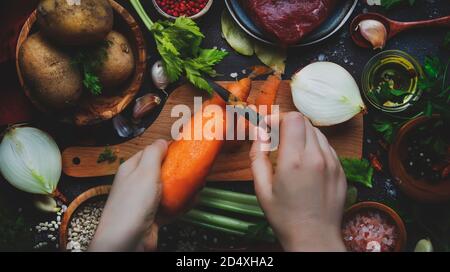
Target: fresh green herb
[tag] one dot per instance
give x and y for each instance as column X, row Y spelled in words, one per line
column 178, row 43
column 107, row 156
column 358, row 171
column 90, row 60
column 121, row 160
column 392, row 3
column 387, row 128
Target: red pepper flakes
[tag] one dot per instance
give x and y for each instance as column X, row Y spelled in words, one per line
column 179, row 8
column 375, row 162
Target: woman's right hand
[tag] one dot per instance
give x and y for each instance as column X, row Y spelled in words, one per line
column 304, row 199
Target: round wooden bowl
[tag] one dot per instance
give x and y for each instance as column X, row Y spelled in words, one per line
column 96, row 192
column 386, row 210
column 418, row 189
column 92, row 110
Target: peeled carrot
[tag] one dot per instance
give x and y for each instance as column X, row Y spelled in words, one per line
column 268, row 92
column 188, row 162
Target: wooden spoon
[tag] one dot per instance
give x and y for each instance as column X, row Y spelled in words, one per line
column 392, row 27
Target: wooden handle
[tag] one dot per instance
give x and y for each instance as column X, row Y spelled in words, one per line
column 233, row 164
column 398, row 27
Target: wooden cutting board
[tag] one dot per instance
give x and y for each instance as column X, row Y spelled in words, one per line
column 233, row 163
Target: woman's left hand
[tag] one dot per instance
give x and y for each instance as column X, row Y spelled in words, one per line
column 127, row 222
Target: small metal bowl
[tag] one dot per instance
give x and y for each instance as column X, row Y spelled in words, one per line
column 193, row 17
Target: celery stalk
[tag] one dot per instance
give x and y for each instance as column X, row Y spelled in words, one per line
column 230, row 206
column 142, row 14
column 226, row 224
column 230, row 196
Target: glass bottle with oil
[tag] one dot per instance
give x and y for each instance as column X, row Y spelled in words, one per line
column 390, row 81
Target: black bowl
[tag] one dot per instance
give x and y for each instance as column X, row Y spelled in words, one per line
column 332, row 24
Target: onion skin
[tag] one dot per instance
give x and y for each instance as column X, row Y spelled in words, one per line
column 30, row 160
column 326, row 94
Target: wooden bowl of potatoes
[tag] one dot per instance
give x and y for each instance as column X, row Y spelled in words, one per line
column 82, row 62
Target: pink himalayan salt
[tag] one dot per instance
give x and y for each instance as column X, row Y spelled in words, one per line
column 369, row 232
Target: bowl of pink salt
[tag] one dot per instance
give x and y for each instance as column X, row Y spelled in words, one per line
column 373, row 227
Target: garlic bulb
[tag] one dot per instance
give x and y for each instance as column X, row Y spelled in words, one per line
column 326, row 93
column 30, row 160
column 159, row 76
column 374, row 32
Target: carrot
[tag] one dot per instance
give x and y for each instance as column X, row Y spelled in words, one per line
column 188, row 162
column 267, row 96
column 268, row 92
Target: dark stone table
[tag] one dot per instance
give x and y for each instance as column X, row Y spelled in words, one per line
column 340, row 49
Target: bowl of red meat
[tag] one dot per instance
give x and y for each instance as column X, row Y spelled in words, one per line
column 289, row 23
column 173, row 9
column 373, row 227
column 419, row 159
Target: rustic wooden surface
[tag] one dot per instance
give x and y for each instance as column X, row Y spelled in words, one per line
column 233, row 164
column 92, row 109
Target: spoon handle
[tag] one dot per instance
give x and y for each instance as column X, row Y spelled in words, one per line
column 438, row 22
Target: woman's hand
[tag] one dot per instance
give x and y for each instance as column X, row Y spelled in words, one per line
column 130, row 211
column 304, row 198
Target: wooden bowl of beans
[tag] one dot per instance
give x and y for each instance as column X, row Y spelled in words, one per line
column 81, row 219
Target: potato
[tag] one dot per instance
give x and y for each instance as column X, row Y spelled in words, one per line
column 49, row 73
column 75, row 22
column 119, row 62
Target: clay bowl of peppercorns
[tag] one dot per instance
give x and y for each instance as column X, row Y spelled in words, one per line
column 419, row 159
column 173, row 9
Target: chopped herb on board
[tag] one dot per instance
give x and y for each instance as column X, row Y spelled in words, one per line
column 107, row 156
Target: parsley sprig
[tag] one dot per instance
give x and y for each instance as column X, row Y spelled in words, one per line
column 178, row 43
column 89, row 60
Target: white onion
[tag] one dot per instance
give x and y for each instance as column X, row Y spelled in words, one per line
column 326, row 93
column 30, row 160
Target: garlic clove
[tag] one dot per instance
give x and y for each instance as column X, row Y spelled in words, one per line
column 46, row 204
column 145, row 104
column 374, row 32
column 122, row 126
column 159, row 76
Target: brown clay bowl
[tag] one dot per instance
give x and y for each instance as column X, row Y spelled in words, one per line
column 92, row 110
column 418, row 189
column 89, row 195
column 383, row 209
